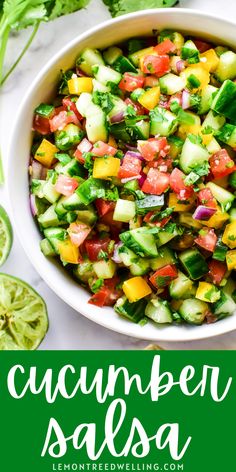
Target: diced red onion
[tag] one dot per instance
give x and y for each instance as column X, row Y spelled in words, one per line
column 203, row 213
column 131, row 148
column 128, row 179
column 180, row 66
column 36, row 170
column 33, row 207
column 185, row 99
column 80, row 73
column 134, row 154
column 116, row 257
column 142, row 179
column 118, row 117
column 85, row 145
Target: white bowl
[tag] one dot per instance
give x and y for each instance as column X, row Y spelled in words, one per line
column 110, row 32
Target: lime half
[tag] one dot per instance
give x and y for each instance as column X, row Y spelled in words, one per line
column 23, row 315
column 6, row 236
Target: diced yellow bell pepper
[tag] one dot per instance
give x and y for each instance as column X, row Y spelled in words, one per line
column 46, row 153
column 136, row 288
column 229, row 236
column 198, row 71
column 106, row 167
column 68, row 252
column 150, row 98
column 207, row 292
column 231, row 259
column 206, row 138
column 112, row 142
column 77, row 85
column 184, row 130
column 177, row 204
column 211, row 60
column 217, row 220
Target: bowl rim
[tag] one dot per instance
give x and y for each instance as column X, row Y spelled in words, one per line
column 217, row 329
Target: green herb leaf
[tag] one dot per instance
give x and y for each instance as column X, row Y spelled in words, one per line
column 121, row 7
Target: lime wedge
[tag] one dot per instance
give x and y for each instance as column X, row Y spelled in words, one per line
column 23, row 315
column 6, row 236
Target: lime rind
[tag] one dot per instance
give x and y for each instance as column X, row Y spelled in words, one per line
column 23, row 315
column 6, row 236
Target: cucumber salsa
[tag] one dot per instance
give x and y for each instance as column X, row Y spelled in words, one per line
column 133, row 178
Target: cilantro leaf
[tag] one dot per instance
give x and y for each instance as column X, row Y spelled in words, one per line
column 104, row 100
column 120, row 7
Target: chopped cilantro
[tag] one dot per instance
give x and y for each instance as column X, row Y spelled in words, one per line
column 103, row 100
column 95, row 287
column 201, row 169
column 103, row 255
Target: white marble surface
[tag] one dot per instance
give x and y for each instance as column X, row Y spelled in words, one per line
column 68, row 329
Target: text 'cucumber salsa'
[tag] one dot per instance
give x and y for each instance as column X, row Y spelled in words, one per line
column 133, row 178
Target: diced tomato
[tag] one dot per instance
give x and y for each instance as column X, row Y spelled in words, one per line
column 108, row 293
column 104, row 206
column 217, row 271
column 206, row 198
column 165, row 47
column 78, row 232
column 130, row 167
column 100, row 298
column 137, row 107
column 177, row 184
column 130, row 82
column 151, row 148
column 41, row 124
column 66, row 185
column 94, row 246
column 206, row 239
column 107, row 219
column 84, row 146
column 156, row 182
column 101, row 149
column 202, row 46
column 164, row 276
column 151, row 81
column 158, row 65
column 60, row 120
column 221, row 164
column 71, row 106
column 148, row 219
column 162, row 164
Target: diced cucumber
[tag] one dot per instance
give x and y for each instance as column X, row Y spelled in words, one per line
column 140, row 267
column 132, row 311
column 73, row 168
column 124, row 210
column 98, row 87
column 106, row 75
column 193, row 311
column 220, row 250
column 230, row 288
column 176, row 37
column 186, row 219
column 163, row 122
column 120, row 132
column 70, row 136
column 206, row 99
column 137, row 55
column 190, row 52
column 158, row 311
column 136, row 94
column 72, row 203
column 84, row 271
column 176, row 145
column 224, row 197
column 140, row 241
column 84, row 103
column 88, row 216
column 232, row 215
column 96, row 127
column 165, row 257
column 213, row 146
column 171, row 84
column 91, row 189
column 194, row 263
column 49, row 191
column 227, row 135
column 232, row 180
column 111, row 54
column 119, row 106
column 180, row 287
column 192, row 154
column 213, row 121
column 123, row 64
column 226, row 68
column 55, row 236
column 138, row 129
column 225, row 100
column 70, row 216
column 127, row 256
column 225, row 306
column 49, row 218
column 149, row 203
column 89, row 58
column 164, row 236
column 37, row 187
column 47, row 248
column 104, row 269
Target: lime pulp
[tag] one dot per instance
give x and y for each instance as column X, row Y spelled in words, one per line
column 6, row 236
